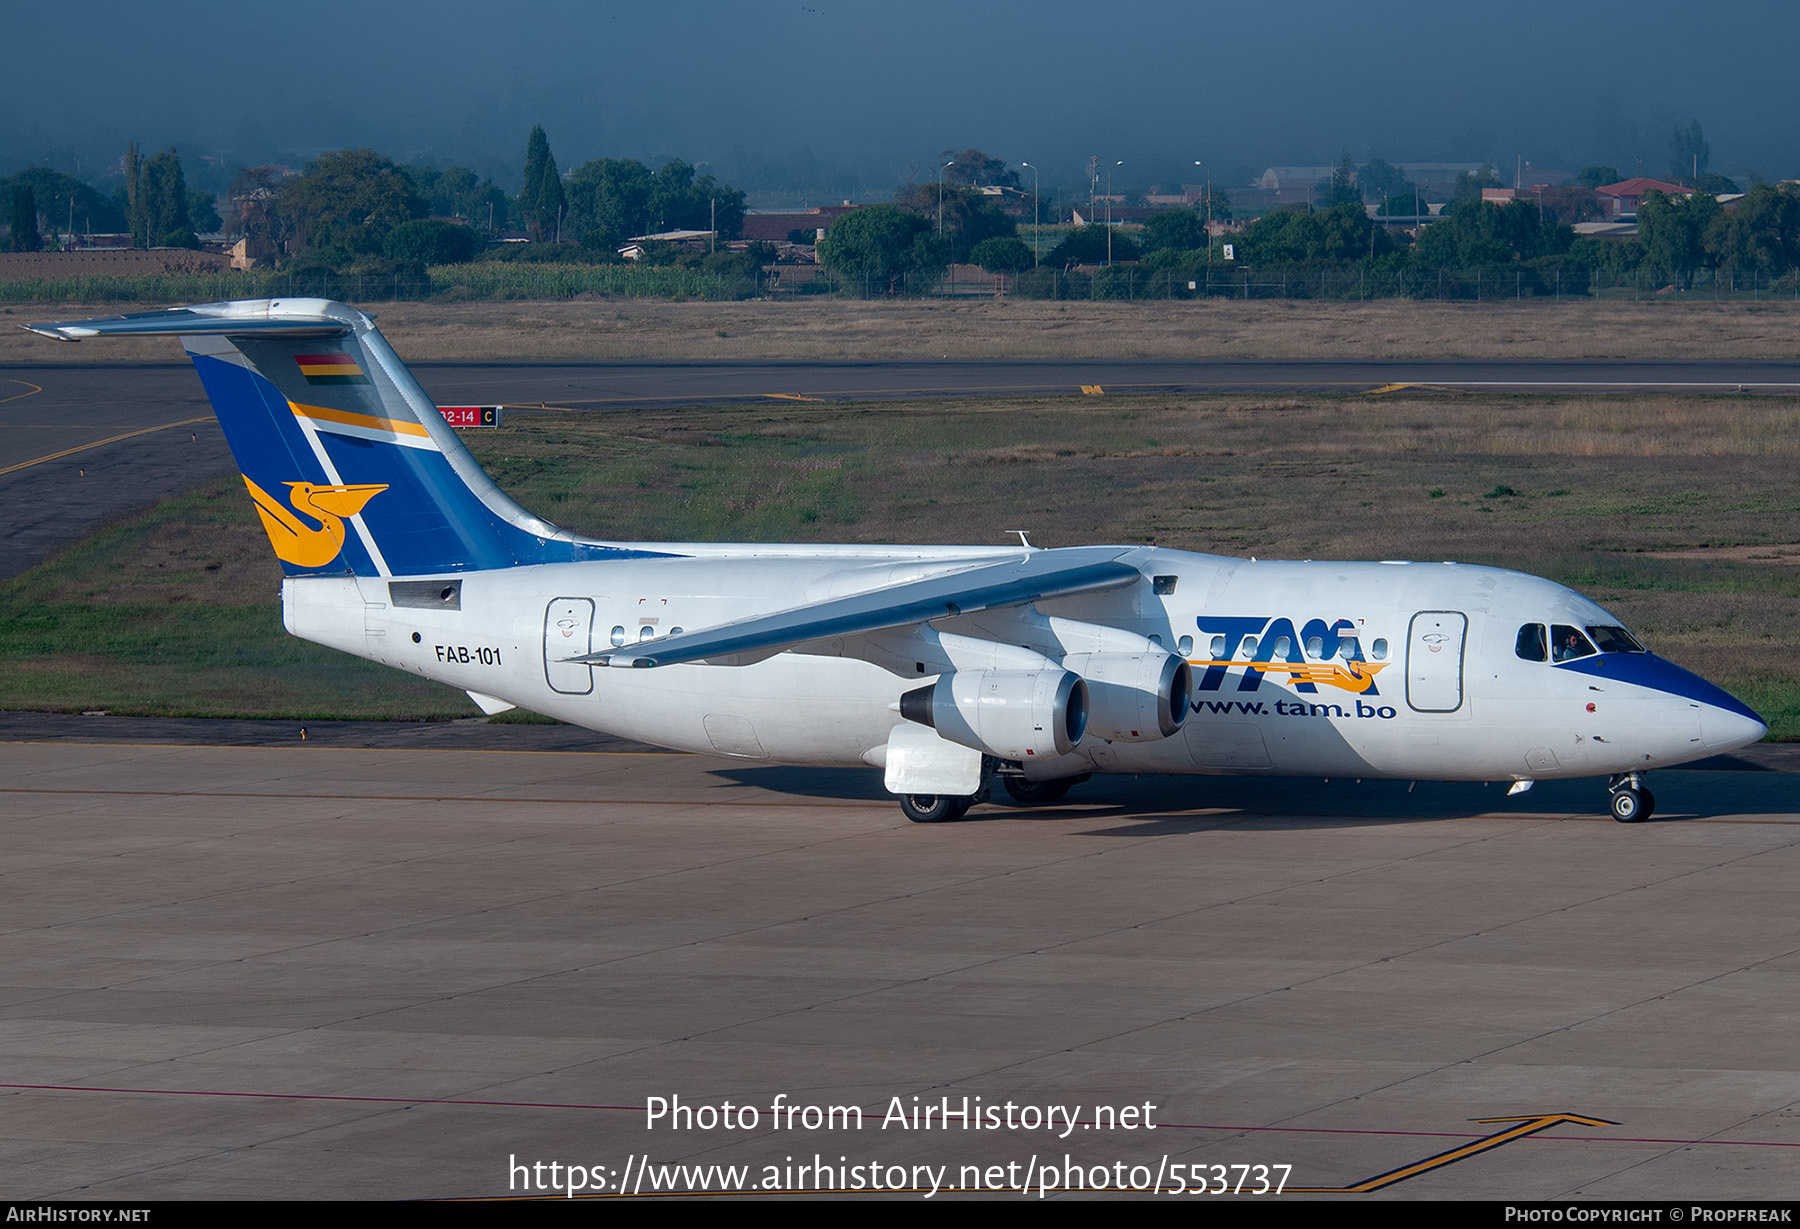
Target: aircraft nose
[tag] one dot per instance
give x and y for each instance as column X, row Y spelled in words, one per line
column 1724, row 729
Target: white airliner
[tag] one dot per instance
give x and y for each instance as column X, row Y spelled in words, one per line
column 947, row 668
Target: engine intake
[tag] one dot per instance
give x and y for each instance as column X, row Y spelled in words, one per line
column 1135, row 697
column 1014, row 715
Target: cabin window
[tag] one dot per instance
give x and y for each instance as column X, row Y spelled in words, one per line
column 646, row 631
column 1217, row 647
column 674, row 631
column 1532, row 644
column 1379, row 649
column 1615, row 640
column 1348, row 649
column 618, row 636
column 1315, row 647
column 1567, row 643
column 1185, row 646
column 1157, row 641
column 1250, row 645
column 1282, row 650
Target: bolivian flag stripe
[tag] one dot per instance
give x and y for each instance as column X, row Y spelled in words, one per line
column 330, row 369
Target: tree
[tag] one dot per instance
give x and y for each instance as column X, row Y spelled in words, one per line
column 1673, row 231
column 542, row 202
column 255, row 213
column 1762, row 232
column 1562, row 203
column 158, row 197
column 974, row 169
column 66, row 201
column 344, row 204
column 613, row 199
column 883, row 247
column 1180, row 230
column 1341, row 188
column 680, row 200
column 1598, row 176
column 1087, row 245
column 1341, row 234
column 456, row 192
column 1475, row 233
column 1407, row 204
column 968, row 216
column 134, row 170
column 1468, row 187
column 610, row 198
column 1381, row 178
column 1688, row 151
column 25, row 236
column 1002, row 255
column 427, row 241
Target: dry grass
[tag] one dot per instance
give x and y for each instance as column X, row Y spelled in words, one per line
column 1015, row 328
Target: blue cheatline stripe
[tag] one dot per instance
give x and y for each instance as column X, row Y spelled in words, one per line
column 1649, row 670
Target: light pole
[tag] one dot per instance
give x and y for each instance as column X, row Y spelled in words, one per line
column 1208, row 169
column 941, row 171
column 1037, row 216
column 1109, row 224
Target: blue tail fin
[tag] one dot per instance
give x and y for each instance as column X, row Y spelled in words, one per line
column 351, row 467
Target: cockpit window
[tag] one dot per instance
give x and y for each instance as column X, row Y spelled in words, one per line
column 1532, row 645
column 1615, row 640
column 1567, row 643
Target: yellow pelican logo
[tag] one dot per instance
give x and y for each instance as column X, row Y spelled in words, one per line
column 294, row 540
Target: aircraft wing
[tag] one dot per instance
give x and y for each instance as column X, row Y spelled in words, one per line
column 1013, row 582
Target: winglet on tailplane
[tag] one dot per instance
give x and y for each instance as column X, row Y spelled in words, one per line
column 350, row 465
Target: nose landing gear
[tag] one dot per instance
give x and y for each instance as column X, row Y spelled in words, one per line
column 1631, row 802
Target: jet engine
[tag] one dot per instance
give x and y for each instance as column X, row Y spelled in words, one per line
column 1134, row 697
column 1011, row 714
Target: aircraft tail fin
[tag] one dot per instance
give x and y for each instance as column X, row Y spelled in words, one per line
column 348, row 462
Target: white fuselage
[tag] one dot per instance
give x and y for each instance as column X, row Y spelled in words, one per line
column 1415, row 675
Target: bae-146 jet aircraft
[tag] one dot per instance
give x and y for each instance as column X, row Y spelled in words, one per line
column 949, row 669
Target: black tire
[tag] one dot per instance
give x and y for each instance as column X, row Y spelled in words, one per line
column 1036, row 793
column 1628, row 806
column 934, row 808
column 1649, row 804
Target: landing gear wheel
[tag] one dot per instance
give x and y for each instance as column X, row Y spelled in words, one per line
column 934, row 808
column 1034, row 793
column 1649, row 804
column 1630, row 806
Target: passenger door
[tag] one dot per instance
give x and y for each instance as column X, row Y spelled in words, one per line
column 1434, row 661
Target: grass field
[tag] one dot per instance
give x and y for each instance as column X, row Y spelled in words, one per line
column 1012, row 328
column 1671, row 511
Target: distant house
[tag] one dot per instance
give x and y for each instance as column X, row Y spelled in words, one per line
column 777, row 227
column 1622, row 199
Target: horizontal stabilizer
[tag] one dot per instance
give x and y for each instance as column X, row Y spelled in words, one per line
column 1014, row 582
column 296, row 318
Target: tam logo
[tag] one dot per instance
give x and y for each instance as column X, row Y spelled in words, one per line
column 1274, row 648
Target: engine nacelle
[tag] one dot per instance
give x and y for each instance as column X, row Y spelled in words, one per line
column 1135, row 697
column 1011, row 714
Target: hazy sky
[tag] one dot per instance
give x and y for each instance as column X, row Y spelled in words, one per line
column 877, row 90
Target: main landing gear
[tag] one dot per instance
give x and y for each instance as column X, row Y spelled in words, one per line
column 1039, row 793
column 1631, row 802
column 945, row 808
column 935, row 808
